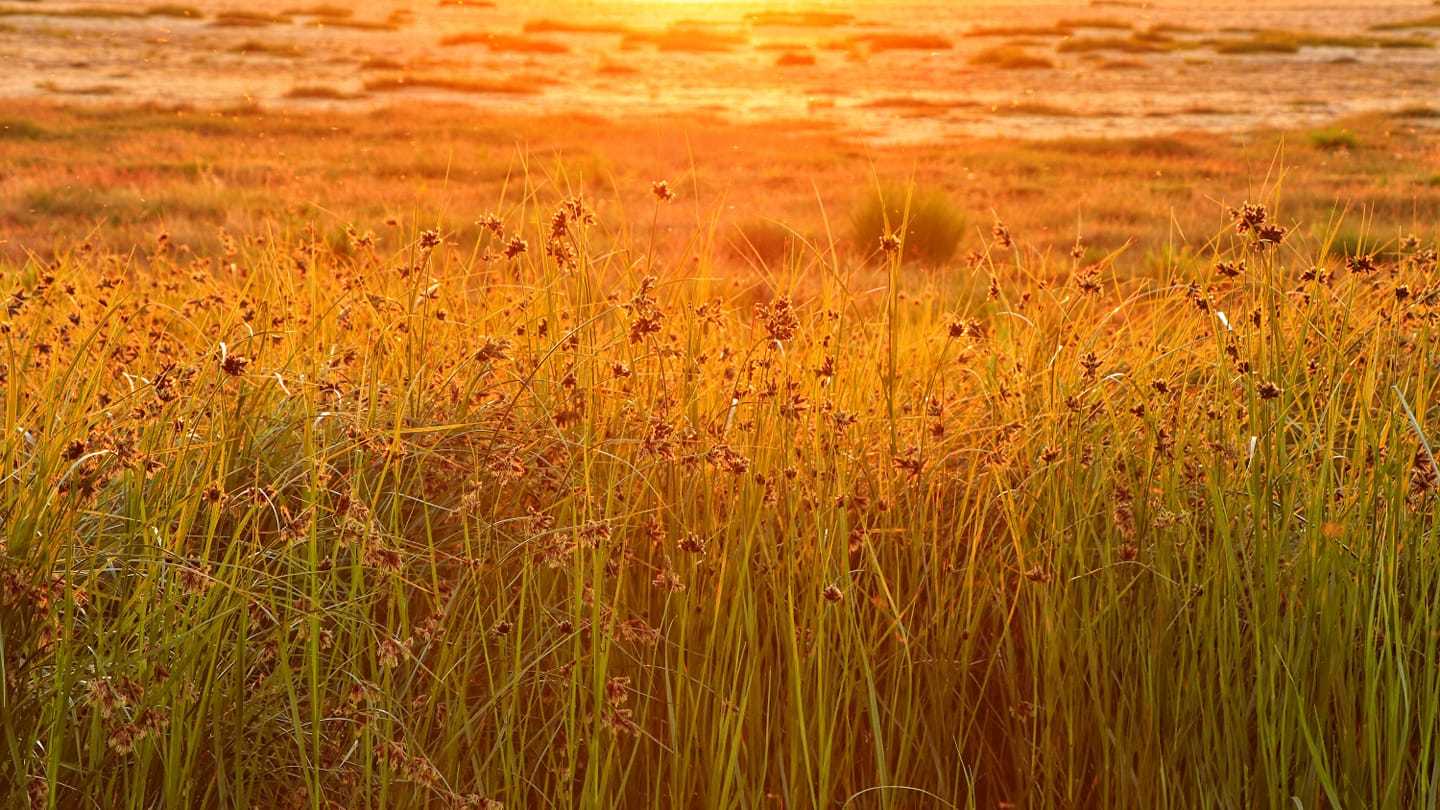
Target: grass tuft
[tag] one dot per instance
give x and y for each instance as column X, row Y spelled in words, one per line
column 1008, row 57
column 455, row 84
column 1333, row 138
column 928, row 221
column 505, row 43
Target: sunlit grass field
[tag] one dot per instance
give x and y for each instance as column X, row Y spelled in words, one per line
column 557, row 501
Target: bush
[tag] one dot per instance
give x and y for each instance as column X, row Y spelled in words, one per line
column 933, row 228
column 1008, row 57
column 1332, row 139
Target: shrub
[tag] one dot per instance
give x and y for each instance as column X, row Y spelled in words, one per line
column 18, row 129
column 1331, row 139
column 933, row 227
column 1010, row 58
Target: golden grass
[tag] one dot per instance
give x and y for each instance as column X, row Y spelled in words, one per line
column 570, row 503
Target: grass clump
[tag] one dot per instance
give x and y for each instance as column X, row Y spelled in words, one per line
column 326, row 11
column 1292, row 41
column 344, row 23
column 609, row 66
column 879, row 43
column 927, row 221
column 1257, row 45
column 248, row 19
column 77, row 89
column 76, row 12
column 113, row 206
column 505, row 43
column 1017, row 31
column 1417, row 111
column 20, row 129
column 1102, row 23
column 1429, row 21
column 549, row 26
column 914, row 103
column 684, row 39
column 1333, row 138
column 1007, row 57
column 1133, row 44
column 381, row 63
column 176, row 11
column 799, row 19
column 321, row 92
column 259, row 47
column 454, row 84
column 1172, row 29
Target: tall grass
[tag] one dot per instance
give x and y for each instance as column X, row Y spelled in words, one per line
column 575, row 522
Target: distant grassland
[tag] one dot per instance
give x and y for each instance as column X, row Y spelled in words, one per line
column 433, row 460
column 189, row 174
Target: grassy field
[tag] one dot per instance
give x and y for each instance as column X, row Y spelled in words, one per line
column 130, row 175
column 547, row 494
